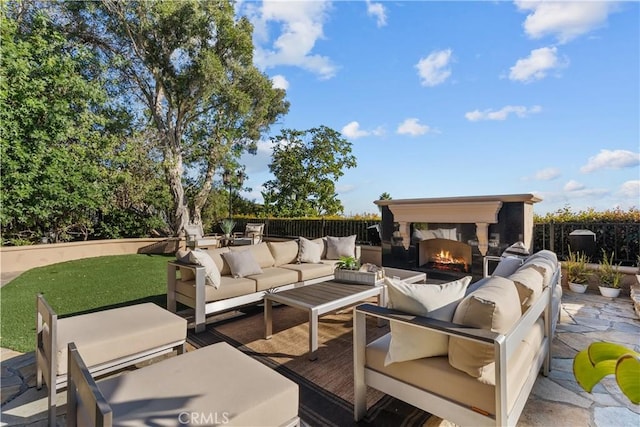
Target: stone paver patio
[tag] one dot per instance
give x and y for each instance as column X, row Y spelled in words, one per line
column 556, row 400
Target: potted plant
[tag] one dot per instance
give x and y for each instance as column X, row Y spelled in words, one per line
column 227, row 226
column 610, row 276
column 577, row 271
column 348, row 263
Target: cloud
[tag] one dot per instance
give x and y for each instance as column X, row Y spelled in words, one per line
column 631, row 190
column 536, row 65
column 573, row 186
column 433, row 70
column 352, row 130
column 547, row 174
column 412, row 127
column 378, row 11
column 280, row 82
column 259, row 162
column 565, row 20
column 300, row 24
column 503, row 113
column 607, row 159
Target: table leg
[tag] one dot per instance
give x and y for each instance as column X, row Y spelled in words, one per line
column 268, row 319
column 382, row 302
column 313, row 334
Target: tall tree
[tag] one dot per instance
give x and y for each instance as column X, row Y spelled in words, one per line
column 187, row 68
column 306, row 165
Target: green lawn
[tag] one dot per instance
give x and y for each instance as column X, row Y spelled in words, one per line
column 79, row 286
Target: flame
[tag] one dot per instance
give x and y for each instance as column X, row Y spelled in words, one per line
column 445, row 257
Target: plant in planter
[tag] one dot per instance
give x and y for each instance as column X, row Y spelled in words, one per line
column 601, row 359
column 610, row 276
column 227, row 225
column 348, row 263
column 577, row 271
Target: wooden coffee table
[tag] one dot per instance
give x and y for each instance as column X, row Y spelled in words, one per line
column 318, row 299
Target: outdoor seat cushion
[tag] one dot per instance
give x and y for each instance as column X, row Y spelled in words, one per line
column 273, row 277
column 111, row 334
column 436, row 375
column 307, row 271
column 216, row 381
column 229, row 287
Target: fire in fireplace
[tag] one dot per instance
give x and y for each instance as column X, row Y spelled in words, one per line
column 444, row 255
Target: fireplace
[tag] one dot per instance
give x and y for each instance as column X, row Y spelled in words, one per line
column 448, row 237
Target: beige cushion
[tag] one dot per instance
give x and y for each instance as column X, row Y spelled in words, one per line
column 242, row 263
column 111, row 334
column 261, row 253
column 310, row 271
column 543, row 265
column 507, row 266
column 433, row 301
column 494, row 306
column 338, row 247
column 272, row 277
column 310, row 250
column 216, row 380
column 216, row 256
column 229, row 288
column 185, row 273
column 528, row 283
column 212, row 274
column 284, row 252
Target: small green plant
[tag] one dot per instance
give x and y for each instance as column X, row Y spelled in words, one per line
column 609, row 273
column 227, row 225
column 577, row 269
column 348, row 263
column 601, row 359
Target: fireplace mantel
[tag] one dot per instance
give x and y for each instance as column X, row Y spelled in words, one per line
column 478, row 210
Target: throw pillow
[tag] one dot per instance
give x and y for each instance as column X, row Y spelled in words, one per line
column 495, row 306
column 433, row 301
column 186, row 274
column 212, row 274
column 341, row 246
column 507, row 266
column 517, row 249
column 242, row 263
column 310, row 251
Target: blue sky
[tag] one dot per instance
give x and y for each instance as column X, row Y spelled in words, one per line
column 456, row 98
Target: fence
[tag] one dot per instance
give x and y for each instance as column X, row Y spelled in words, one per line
column 623, row 239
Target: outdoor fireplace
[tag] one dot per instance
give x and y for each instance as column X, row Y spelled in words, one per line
column 448, row 237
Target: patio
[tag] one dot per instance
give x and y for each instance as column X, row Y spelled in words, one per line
column 555, row 400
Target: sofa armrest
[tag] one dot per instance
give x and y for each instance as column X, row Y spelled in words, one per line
column 485, row 263
column 199, row 303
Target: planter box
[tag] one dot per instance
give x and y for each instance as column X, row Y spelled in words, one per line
column 359, row 277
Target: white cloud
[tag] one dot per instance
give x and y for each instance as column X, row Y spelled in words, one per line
column 433, row 70
column 259, row 162
column 566, row 20
column 503, row 113
column 547, row 174
column 280, row 82
column 412, row 127
column 573, row 185
column 300, row 24
column 378, row 11
column 631, row 190
column 608, row 159
column 536, row 65
column 352, row 130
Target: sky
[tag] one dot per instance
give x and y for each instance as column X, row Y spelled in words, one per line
column 453, row 98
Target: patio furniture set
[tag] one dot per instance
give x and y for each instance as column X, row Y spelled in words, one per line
column 478, row 353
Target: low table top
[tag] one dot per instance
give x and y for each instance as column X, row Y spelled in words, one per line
column 325, row 292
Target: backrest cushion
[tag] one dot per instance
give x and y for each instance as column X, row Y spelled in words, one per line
column 338, row 247
column 261, row 253
column 528, row 283
column 242, row 263
column 284, row 252
column 433, row 301
column 310, row 251
column 216, row 256
column 495, row 306
column 507, row 266
column 543, row 265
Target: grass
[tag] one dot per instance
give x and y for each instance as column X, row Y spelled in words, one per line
column 76, row 287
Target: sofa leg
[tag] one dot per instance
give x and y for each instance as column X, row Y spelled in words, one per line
column 200, row 327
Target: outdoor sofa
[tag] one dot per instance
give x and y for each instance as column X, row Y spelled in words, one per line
column 214, row 385
column 109, row 340
column 496, row 343
column 217, row 280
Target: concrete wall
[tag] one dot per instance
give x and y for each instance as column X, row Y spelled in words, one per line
column 23, row 258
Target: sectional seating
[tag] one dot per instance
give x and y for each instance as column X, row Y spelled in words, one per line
column 484, row 345
column 216, row 280
column 215, row 385
column 109, row 340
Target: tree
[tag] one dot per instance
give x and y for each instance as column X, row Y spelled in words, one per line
column 306, row 164
column 186, row 69
column 384, row 196
column 53, row 142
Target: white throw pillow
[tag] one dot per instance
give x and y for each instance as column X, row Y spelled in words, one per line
column 433, row 301
column 341, row 246
column 212, row 274
column 310, row 251
column 507, row 266
column 242, row 263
